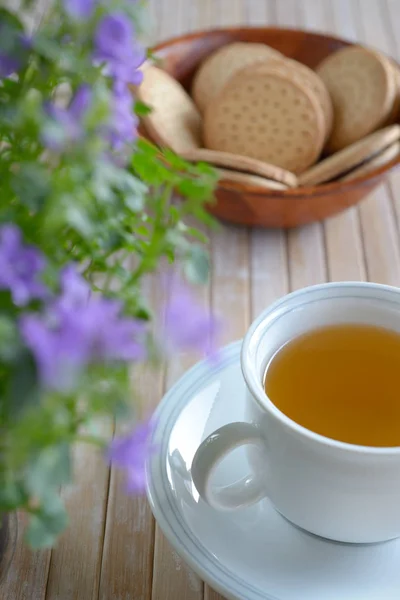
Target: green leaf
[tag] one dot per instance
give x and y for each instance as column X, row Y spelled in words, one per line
column 199, row 235
column 176, row 161
column 10, row 32
column 79, row 220
column 150, row 170
column 9, row 341
column 10, row 20
column 47, row 523
column 48, row 470
column 133, row 191
column 197, row 265
column 31, row 185
column 22, row 390
column 12, row 495
column 196, row 189
column 142, row 109
column 143, row 313
column 147, row 148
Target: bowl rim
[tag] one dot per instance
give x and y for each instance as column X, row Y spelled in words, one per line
column 324, row 189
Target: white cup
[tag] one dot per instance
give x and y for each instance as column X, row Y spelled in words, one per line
column 336, row 490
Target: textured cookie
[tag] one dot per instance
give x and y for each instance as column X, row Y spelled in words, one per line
column 350, row 157
column 250, row 180
column 266, row 115
column 218, row 68
column 174, row 121
column 394, row 113
column 311, row 80
column 241, row 163
column 381, row 159
column 362, row 86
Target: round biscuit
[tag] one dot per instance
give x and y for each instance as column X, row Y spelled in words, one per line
column 381, row 159
column 250, row 180
column 394, row 113
column 241, row 163
column 174, row 121
column 219, row 67
column 311, row 80
column 362, row 87
column 351, row 156
column 268, row 116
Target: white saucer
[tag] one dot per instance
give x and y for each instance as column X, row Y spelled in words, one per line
column 252, row 553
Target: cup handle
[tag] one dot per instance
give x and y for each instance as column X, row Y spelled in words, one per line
column 212, row 450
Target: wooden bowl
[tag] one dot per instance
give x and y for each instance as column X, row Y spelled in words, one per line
column 250, row 205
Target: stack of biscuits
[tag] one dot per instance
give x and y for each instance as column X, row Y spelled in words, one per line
column 271, row 122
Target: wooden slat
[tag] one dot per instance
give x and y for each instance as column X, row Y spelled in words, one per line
column 344, row 250
column 257, row 13
column 228, row 12
column 306, row 244
column 127, row 559
column 385, row 17
column 27, row 576
column 199, row 14
column 230, row 294
column 381, row 239
column 377, row 214
column 230, row 281
column 76, row 560
column 307, row 265
column 268, row 248
column 230, row 250
column 269, row 272
column 210, row 594
column 172, row 578
column 344, row 247
column 343, row 19
column 390, row 13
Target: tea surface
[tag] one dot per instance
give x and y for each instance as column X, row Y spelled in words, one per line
column 342, row 382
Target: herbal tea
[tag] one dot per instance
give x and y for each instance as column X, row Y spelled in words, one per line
column 342, row 382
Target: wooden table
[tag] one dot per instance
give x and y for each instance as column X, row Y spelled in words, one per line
column 113, row 550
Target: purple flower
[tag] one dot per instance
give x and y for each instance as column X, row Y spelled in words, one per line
column 80, row 10
column 187, row 326
column 130, row 453
column 8, row 64
column 77, row 330
column 75, row 290
column 115, row 45
column 66, row 125
column 124, row 122
column 14, row 48
column 20, row 267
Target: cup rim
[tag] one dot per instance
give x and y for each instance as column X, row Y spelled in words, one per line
column 264, row 401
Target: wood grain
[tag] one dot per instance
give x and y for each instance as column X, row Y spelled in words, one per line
column 126, row 562
column 172, row 579
column 230, row 282
column 76, row 560
column 377, row 215
column 390, row 16
column 305, row 244
column 342, row 232
column 27, row 576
